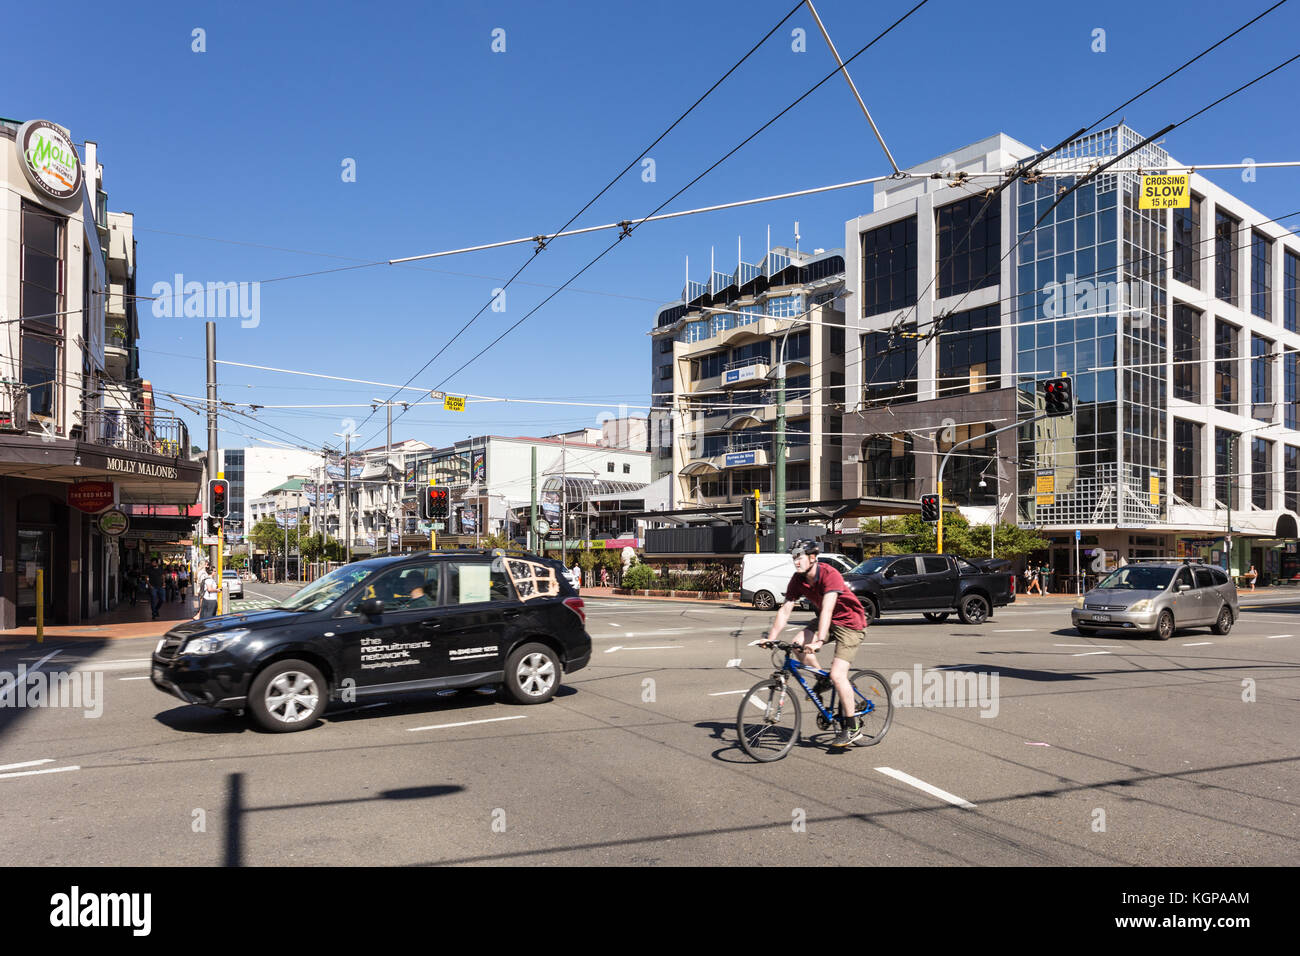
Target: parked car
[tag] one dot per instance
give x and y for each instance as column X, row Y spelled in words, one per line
column 764, row 576
column 1158, row 596
column 934, row 585
column 386, row 626
column 233, row 584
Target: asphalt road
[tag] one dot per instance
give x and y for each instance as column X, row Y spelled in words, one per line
column 1084, row 751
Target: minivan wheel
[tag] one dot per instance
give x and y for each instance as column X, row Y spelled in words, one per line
column 287, row 696
column 1165, row 626
column 532, row 674
column 764, row 601
column 974, row 610
column 1224, row 624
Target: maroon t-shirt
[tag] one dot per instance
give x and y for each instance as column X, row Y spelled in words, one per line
column 848, row 609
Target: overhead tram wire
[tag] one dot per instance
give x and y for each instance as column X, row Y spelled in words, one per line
column 542, row 241
column 631, row 227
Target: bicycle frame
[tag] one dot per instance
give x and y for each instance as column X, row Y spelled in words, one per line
column 793, row 667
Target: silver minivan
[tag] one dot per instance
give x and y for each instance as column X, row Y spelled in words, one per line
column 1158, row 596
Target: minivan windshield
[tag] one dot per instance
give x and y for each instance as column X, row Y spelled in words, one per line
column 1137, row 578
column 323, row 592
column 874, row 565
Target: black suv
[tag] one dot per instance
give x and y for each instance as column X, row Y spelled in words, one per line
column 381, row 627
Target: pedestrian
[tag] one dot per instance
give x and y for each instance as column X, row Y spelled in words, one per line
column 182, row 583
column 1251, row 575
column 157, row 587
column 208, row 605
column 1045, row 574
column 1031, row 581
column 604, row 576
column 577, row 575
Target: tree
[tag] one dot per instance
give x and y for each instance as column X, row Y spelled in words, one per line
column 316, row 547
column 960, row 537
column 267, row 536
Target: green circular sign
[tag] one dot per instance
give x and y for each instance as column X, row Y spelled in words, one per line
column 114, row 522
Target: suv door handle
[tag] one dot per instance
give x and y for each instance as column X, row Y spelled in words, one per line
column 513, row 612
column 431, row 624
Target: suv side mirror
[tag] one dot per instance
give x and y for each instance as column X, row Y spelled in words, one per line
column 1184, row 587
column 890, row 573
column 372, row 607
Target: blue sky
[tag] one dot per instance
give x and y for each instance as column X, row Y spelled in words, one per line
column 457, row 145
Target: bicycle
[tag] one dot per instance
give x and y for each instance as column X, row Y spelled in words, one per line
column 768, row 722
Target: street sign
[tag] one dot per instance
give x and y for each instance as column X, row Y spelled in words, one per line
column 454, row 403
column 1166, row 192
column 1078, row 535
column 1045, row 487
column 438, row 396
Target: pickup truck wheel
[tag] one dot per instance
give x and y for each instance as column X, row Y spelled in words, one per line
column 764, row 601
column 974, row 609
column 935, row 617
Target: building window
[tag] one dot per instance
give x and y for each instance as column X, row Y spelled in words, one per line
column 1225, row 467
column 1225, row 366
column 41, row 372
column 889, row 266
column 1225, row 256
column 665, row 346
column 889, row 367
column 798, row 347
column 42, row 269
column 1291, row 465
column 609, row 467
column 1261, row 379
column 785, row 306
column 627, row 469
column 1261, row 473
column 969, row 465
column 968, row 247
column 1187, row 233
column 1291, row 389
column 665, row 372
column 1187, row 461
column 1261, row 276
column 1290, row 290
column 1187, row 353
column 888, row 467
column 710, row 366
column 970, row 351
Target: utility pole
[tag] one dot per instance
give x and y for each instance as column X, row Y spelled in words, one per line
column 533, row 543
column 214, row 466
column 347, row 492
column 564, row 507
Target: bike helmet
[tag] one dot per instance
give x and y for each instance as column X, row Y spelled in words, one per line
column 804, row 546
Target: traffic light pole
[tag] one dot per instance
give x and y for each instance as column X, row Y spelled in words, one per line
column 966, row 441
column 214, row 466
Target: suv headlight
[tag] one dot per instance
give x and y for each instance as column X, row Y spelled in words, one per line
column 203, row 646
column 1140, row 606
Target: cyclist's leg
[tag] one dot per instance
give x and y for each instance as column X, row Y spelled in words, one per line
column 807, row 639
column 847, row 641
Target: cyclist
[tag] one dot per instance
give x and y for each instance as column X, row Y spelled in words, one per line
column 840, row 617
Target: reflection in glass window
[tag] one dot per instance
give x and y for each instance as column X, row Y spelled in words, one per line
column 968, row 244
column 1225, row 256
column 1187, row 230
column 889, row 367
column 889, row 267
column 1261, row 276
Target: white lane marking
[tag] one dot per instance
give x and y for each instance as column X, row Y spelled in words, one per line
column 728, row 693
column 1087, row 645
column 1017, row 630
column 32, row 773
column 1090, row 654
column 662, row 647
column 1274, row 637
column 133, row 678
column 466, row 723
column 37, row 763
column 1199, row 644
column 13, row 678
column 933, row 791
column 612, row 624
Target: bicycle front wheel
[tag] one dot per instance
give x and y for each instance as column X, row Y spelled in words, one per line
column 875, row 706
column 768, row 721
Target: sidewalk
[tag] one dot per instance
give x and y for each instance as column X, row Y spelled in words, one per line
column 122, row 622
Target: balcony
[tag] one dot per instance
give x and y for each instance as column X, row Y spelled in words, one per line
column 146, row 433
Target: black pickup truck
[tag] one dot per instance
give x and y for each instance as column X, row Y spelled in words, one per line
column 934, row 585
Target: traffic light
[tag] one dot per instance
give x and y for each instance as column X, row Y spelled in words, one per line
column 1059, row 395
column 749, row 510
column 213, row 524
column 929, row 507
column 434, row 502
column 218, row 497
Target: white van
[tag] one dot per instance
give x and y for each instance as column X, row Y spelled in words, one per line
column 765, row 576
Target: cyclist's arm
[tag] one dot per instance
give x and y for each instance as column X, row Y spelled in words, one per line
column 782, row 619
column 824, row 620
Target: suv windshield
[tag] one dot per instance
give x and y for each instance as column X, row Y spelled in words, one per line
column 1138, row 578
column 323, row 592
column 874, row 565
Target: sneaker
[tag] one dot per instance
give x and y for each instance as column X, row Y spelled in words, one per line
column 848, row 734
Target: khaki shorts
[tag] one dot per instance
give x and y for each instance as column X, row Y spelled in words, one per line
column 846, row 640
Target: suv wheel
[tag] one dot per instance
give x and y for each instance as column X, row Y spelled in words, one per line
column 1224, row 623
column 532, row 674
column 1165, row 626
column 287, row 696
column 974, row 609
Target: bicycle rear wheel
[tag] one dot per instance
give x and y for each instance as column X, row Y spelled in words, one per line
column 768, row 720
column 871, row 688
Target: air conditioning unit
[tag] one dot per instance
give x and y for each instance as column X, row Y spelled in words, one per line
column 14, row 409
